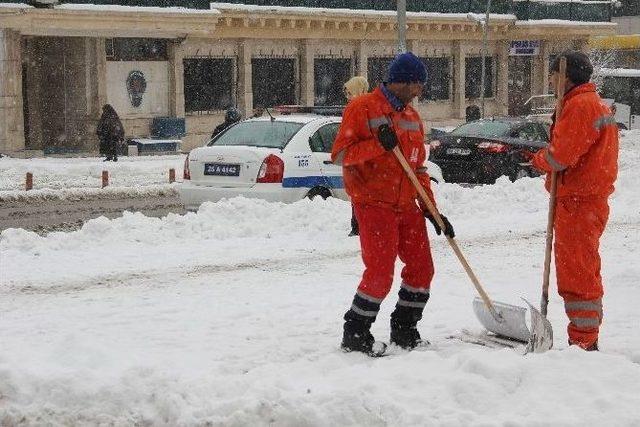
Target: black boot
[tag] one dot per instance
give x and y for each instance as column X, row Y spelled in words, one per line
column 357, row 337
column 357, row 324
column 405, row 318
column 406, row 336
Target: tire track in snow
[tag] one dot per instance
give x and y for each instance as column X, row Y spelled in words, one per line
column 175, row 274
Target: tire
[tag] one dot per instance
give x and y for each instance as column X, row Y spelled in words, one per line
column 319, row 191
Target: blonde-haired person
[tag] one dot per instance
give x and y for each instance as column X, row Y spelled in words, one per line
column 355, row 87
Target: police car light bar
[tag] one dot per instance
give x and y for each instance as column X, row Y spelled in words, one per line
column 323, row 110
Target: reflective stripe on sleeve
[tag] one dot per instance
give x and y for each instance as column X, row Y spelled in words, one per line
column 604, row 121
column 555, row 165
column 377, row 121
column 422, row 170
column 408, row 125
column 339, row 158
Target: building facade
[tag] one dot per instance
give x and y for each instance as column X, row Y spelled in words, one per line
column 60, row 65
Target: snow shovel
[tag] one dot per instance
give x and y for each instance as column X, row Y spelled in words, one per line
column 502, row 319
column 544, row 303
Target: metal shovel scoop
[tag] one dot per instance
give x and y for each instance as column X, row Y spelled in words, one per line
column 505, row 320
column 513, row 324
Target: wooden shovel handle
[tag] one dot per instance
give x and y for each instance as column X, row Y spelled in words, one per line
column 552, row 197
column 436, row 215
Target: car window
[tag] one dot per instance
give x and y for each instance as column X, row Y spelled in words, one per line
column 482, row 128
column 544, row 129
column 273, row 134
column 322, row 140
column 529, row 132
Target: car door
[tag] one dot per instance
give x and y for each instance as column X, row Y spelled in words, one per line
column 321, row 143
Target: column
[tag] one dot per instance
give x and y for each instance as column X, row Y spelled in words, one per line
column 307, row 78
column 176, row 79
column 11, row 114
column 502, row 77
column 101, row 71
column 245, row 86
column 541, row 70
column 362, row 58
column 459, row 102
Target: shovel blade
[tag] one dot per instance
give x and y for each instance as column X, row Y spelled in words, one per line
column 541, row 338
column 513, row 324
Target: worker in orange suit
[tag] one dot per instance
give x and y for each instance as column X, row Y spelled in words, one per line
column 391, row 221
column 584, row 153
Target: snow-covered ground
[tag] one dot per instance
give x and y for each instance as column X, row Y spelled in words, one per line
column 232, row 316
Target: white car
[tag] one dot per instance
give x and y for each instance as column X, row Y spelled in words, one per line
column 282, row 159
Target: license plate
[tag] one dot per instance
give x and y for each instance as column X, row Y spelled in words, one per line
column 459, row 151
column 221, row 169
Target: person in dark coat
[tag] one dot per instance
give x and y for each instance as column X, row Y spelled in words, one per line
column 110, row 132
column 231, row 117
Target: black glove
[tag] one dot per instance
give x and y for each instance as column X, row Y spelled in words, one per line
column 387, row 137
column 448, row 228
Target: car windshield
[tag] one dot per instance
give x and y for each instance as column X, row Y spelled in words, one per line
column 272, row 134
column 483, row 128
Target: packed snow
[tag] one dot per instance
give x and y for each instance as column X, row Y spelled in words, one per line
column 233, row 316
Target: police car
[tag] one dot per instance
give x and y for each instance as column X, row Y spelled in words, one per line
column 284, row 158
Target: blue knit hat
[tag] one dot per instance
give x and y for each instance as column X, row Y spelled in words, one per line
column 407, row 68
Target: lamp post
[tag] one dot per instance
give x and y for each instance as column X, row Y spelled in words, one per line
column 484, row 22
column 402, row 26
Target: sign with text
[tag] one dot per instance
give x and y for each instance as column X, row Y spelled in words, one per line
column 524, row 48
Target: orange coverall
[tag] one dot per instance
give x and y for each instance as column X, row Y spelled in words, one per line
column 391, row 223
column 584, row 152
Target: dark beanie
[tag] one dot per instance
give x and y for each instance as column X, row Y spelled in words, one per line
column 579, row 68
column 407, row 68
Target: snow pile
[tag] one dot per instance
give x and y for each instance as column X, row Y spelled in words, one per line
column 232, row 316
column 72, row 194
column 57, row 173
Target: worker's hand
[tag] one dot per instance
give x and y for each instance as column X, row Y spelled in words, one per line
column 387, row 137
column 524, row 156
column 448, row 228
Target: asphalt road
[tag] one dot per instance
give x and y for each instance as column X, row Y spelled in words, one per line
column 58, row 215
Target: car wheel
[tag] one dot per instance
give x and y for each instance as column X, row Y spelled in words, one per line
column 519, row 173
column 319, row 191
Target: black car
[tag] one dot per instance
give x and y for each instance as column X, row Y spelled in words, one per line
column 481, row 151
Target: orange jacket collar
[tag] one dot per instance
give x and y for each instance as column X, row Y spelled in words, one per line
column 577, row 90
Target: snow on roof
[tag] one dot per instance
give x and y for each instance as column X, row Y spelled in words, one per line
column 618, row 72
column 295, row 118
column 118, row 8
column 561, row 22
column 354, row 12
